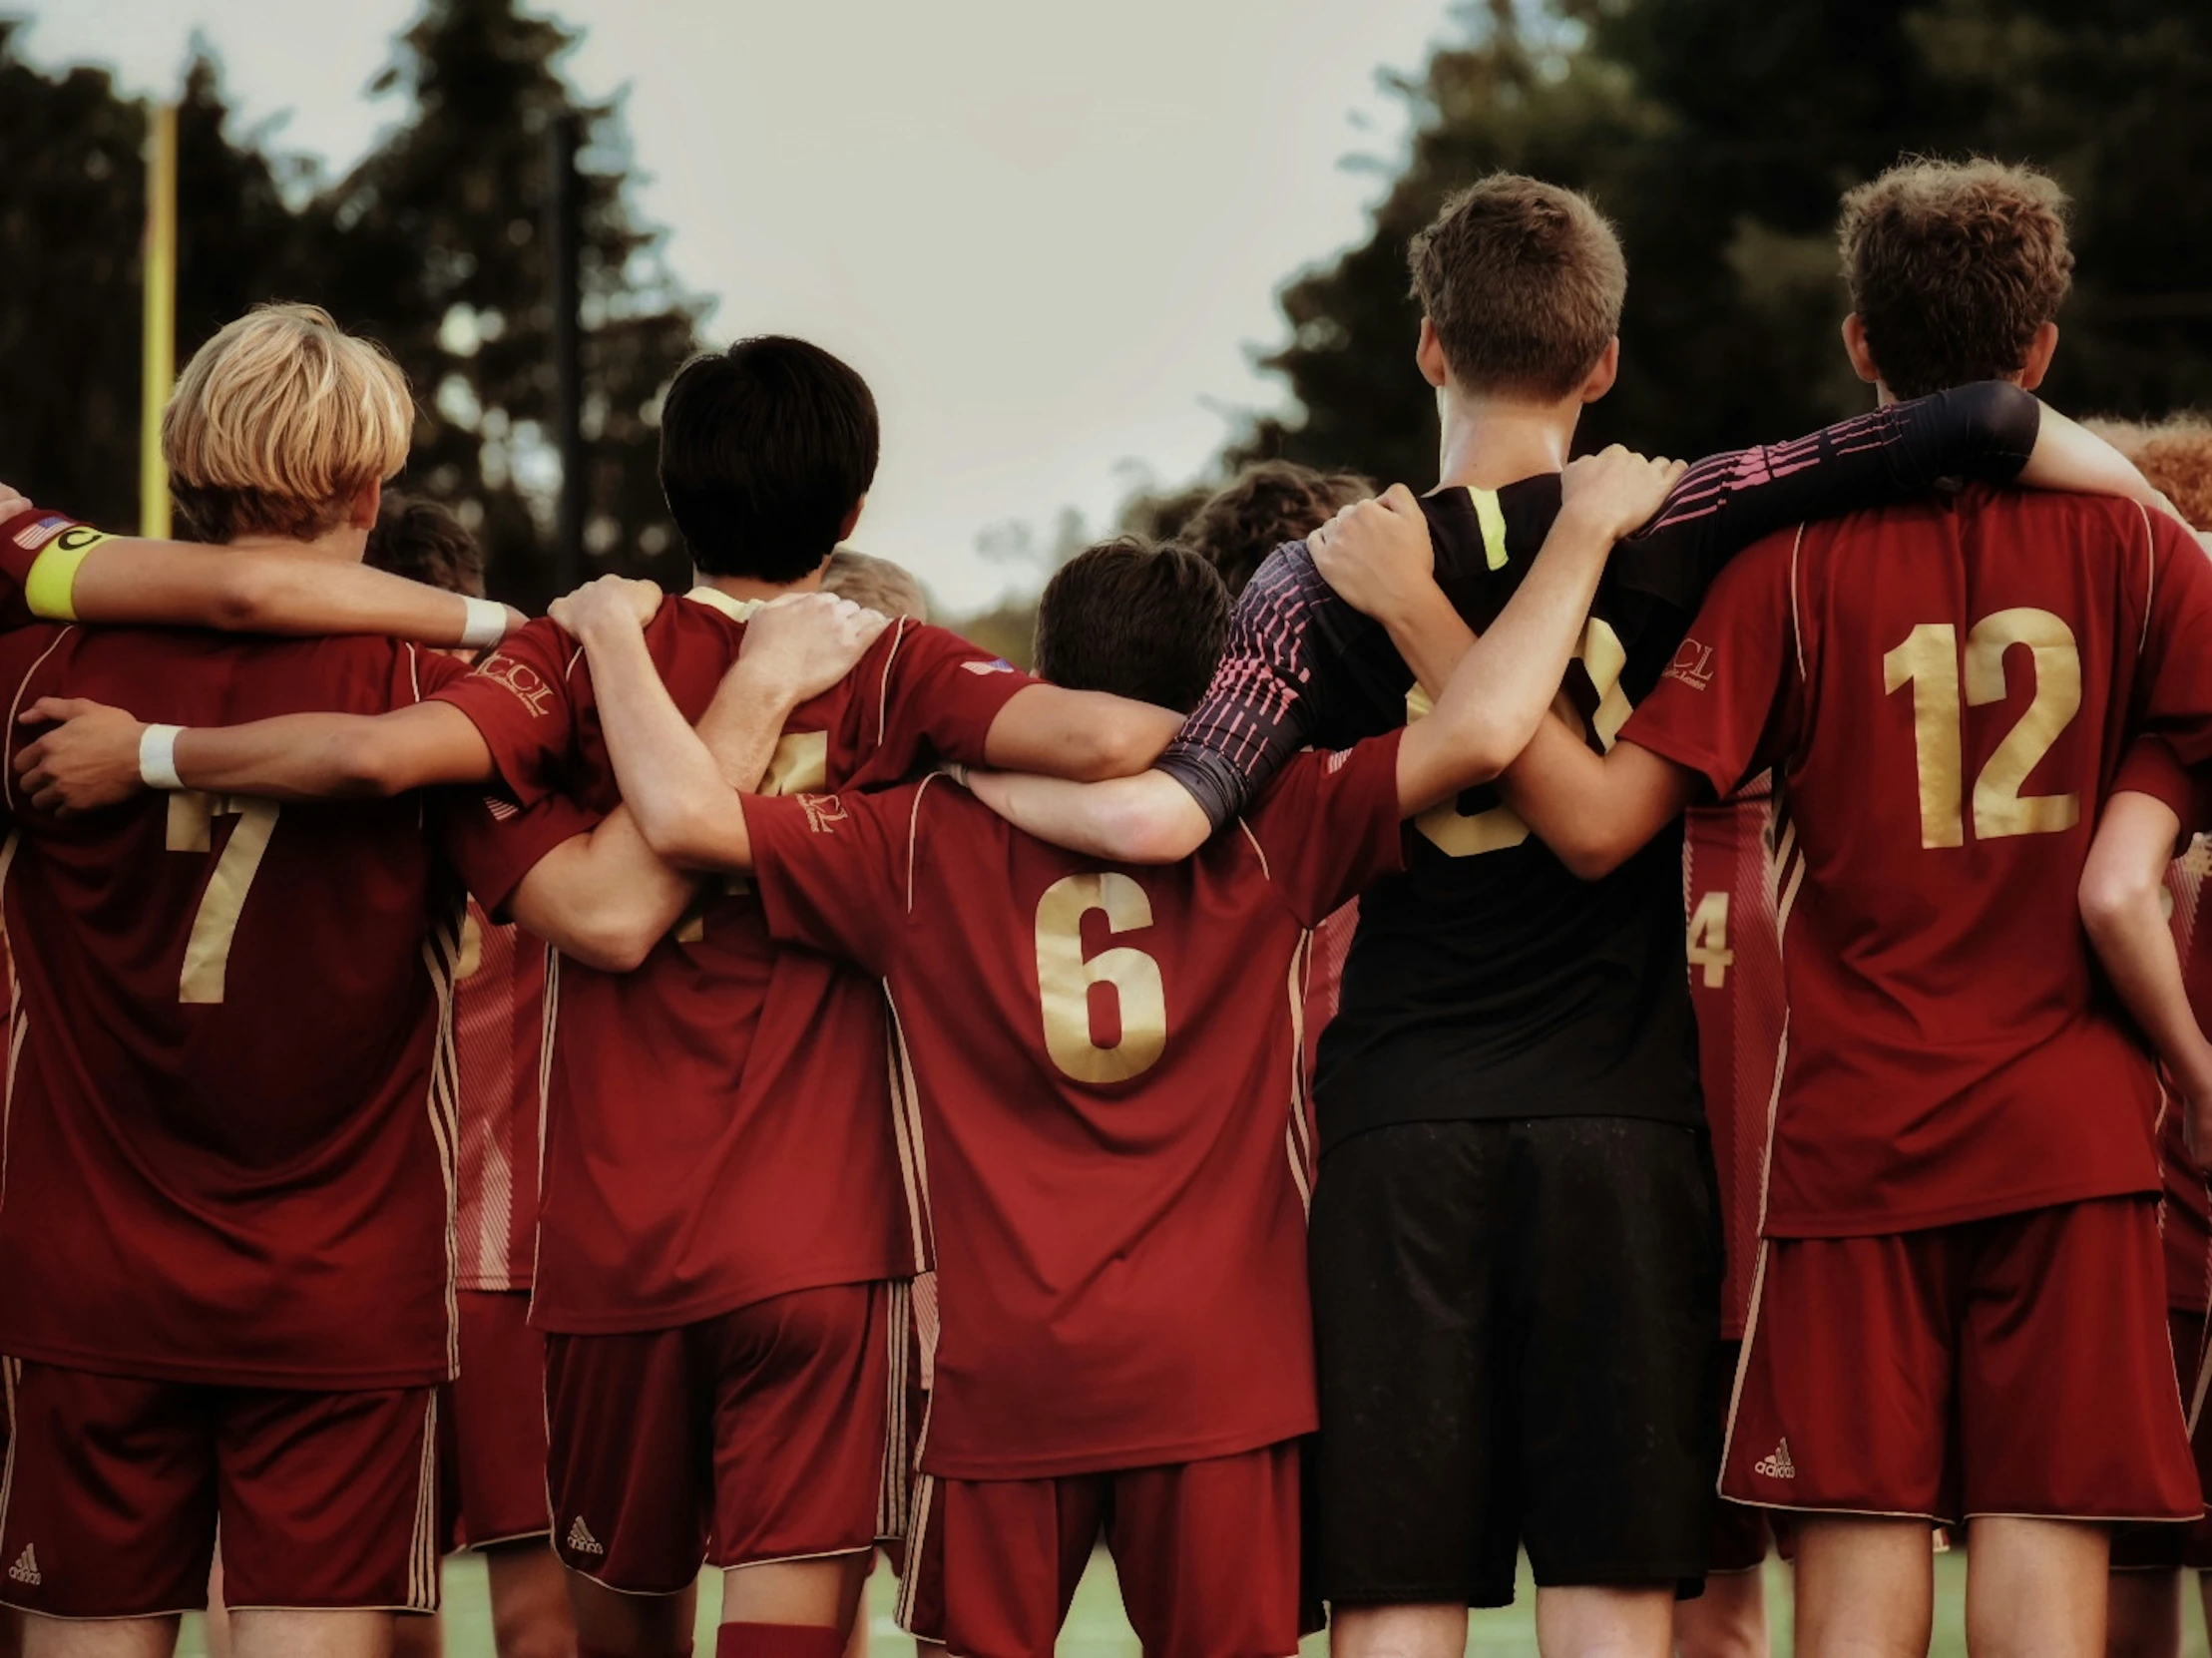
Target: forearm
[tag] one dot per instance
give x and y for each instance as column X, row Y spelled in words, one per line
column 604, row 898
column 248, row 589
column 1593, row 811
column 2136, row 946
column 2067, row 456
column 1146, row 819
column 1433, row 637
column 743, row 725
column 1503, row 682
column 1085, row 736
column 684, row 806
column 335, row 756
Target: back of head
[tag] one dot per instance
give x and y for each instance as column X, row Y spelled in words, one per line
column 1953, row 267
column 424, row 542
column 280, row 422
column 1262, row 507
column 766, row 451
column 1523, row 282
column 1136, row 619
column 875, row 584
column 2175, row 454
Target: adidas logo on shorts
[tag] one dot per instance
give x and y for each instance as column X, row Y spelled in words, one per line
column 25, row 1569
column 1778, row 1465
column 580, row 1538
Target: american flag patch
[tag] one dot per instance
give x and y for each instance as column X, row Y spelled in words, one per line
column 500, row 809
column 996, row 665
column 38, row 532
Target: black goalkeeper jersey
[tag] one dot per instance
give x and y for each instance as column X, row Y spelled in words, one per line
column 1487, row 981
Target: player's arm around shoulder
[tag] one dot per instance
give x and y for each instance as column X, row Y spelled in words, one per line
column 685, row 800
column 1085, row 736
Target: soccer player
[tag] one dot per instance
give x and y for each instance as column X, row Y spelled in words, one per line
column 1513, row 1246
column 2144, row 863
column 1105, row 1063
column 225, row 1228
column 1735, row 978
column 491, row 1417
column 720, row 1277
column 1960, row 1307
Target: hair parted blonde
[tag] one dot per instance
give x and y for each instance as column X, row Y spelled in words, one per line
column 1953, row 267
column 875, row 583
column 279, row 422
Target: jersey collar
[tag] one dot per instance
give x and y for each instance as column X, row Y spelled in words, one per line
column 737, row 610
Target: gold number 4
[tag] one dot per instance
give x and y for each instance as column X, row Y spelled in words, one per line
column 216, row 922
column 1708, row 941
column 1928, row 661
column 1064, row 979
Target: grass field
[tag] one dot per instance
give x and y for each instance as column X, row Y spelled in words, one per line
column 1096, row 1629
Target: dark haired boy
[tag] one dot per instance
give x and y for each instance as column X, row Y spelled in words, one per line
column 1513, row 1246
column 723, row 1235
column 1265, row 506
column 1959, row 1311
column 1105, row 1062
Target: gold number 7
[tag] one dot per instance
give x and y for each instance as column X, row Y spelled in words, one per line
column 216, row 922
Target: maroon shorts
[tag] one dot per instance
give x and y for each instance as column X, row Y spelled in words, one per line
column 115, row 1485
column 1741, row 1536
column 763, row 1433
column 2171, row 1547
column 1207, row 1556
column 2013, row 1366
column 492, row 1425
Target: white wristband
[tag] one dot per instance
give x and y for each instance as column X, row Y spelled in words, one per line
column 486, row 624
column 157, row 758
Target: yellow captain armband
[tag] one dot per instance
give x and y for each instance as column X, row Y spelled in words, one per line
column 51, row 581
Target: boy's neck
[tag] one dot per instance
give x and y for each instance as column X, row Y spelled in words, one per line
column 744, row 589
column 1490, row 442
column 347, row 542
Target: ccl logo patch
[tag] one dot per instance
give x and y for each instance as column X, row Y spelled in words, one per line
column 528, row 684
column 823, row 812
column 1693, row 664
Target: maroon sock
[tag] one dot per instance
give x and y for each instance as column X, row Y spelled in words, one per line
column 778, row 1641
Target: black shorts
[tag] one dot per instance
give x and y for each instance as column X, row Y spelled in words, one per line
column 1518, row 1329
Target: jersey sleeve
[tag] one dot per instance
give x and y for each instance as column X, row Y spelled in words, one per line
column 1726, row 703
column 493, row 843
column 2150, row 769
column 523, row 699
column 1723, row 503
column 1258, row 709
column 40, row 552
column 830, row 869
column 2177, row 668
column 938, row 694
column 1329, row 827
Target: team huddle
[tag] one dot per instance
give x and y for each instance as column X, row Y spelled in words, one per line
column 748, row 1080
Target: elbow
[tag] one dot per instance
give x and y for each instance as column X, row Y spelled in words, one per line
column 241, row 602
column 367, row 765
column 1592, row 857
column 2114, row 900
column 1115, row 748
column 611, row 943
column 1146, row 831
column 678, row 832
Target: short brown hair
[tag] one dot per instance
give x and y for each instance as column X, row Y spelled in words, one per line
column 424, row 542
column 875, row 584
column 1953, row 267
column 1136, row 619
column 1265, row 505
column 279, row 422
column 2175, row 454
column 1523, row 282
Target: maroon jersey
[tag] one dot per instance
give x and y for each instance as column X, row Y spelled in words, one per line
column 229, row 1113
column 718, row 1122
column 2187, row 1224
column 499, row 1020
column 1107, row 1066
column 1948, row 689
column 1735, row 967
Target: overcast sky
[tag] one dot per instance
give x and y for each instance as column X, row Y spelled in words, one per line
column 1048, row 234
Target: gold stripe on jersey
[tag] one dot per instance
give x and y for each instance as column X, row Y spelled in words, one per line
column 905, row 1125
column 441, row 950
column 1294, row 1135
column 895, row 1489
column 1492, row 518
column 50, row 587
